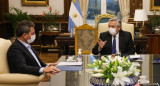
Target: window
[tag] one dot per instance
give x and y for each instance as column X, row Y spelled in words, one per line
column 113, row 7
column 97, row 7
column 94, row 8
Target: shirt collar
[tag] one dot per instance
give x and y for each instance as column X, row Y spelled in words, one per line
column 117, row 35
column 25, row 44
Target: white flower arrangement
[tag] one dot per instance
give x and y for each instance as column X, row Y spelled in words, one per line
column 118, row 69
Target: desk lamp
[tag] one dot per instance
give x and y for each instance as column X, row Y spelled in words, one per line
column 140, row 16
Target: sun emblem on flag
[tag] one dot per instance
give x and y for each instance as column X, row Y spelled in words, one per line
column 75, row 15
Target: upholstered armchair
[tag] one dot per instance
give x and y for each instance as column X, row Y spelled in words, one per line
column 101, row 22
column 125, row 26
column 13, row 79
column 85, row 38
column 104, row 18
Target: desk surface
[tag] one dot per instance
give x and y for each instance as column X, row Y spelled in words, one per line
column 82, row 78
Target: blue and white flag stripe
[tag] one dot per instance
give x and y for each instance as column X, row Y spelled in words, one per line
column 77, row 6
column 75, row 16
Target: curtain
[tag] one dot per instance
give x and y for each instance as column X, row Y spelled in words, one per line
column 125, row 9
column 84, row 9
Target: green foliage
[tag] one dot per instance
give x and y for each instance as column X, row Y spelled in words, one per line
column 111, row 66
column 15, row 16
column 155, row 20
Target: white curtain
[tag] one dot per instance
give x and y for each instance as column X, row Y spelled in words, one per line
column 125, row 9
column 84, row 9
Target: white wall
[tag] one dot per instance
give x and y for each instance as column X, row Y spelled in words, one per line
column 145, row 66
column 146, row 6
column 57, row 4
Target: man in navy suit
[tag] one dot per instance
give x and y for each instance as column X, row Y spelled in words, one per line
column 21, row 56
column 114, row 41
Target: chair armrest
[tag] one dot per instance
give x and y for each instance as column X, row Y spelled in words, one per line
column 17, row 78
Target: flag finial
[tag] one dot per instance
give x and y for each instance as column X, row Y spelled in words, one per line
column 74, row 1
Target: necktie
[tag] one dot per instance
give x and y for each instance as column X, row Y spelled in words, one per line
column 114, row 46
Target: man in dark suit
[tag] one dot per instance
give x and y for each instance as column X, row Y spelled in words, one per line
column 114, row 41
column 22, row 58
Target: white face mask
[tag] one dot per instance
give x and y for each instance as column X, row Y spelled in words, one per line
column 112, row 31
column 33, row 37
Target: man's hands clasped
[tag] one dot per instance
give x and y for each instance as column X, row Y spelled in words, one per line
column 51, row 69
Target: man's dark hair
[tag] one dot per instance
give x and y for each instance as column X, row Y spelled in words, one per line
column 24, row 27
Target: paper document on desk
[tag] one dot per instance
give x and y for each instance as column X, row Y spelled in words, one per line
column 70, row 63
column 135, row 56
column 70, row 66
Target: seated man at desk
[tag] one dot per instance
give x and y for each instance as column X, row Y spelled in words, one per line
column 114, row 41
column 21, row 56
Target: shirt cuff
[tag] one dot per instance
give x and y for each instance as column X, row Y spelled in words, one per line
column 41, row 69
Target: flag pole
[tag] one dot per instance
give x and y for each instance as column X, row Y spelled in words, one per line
column 71, row 33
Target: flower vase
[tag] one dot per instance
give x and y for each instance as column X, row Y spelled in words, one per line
column 99, row 81
column 47, row 28
column 156, row 29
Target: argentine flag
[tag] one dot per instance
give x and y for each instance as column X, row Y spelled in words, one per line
column 75, row 16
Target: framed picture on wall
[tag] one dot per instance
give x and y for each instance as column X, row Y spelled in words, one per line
column 154, row 4
column 35, row 2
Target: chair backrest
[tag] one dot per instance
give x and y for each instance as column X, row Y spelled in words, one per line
column 104, row 18
column 85, row 38
column 125, row 26
column 4, row 45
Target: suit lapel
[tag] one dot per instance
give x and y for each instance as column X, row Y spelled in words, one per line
column 37, row 56
column 27, row 51
column 120, row 40
column 109, row 41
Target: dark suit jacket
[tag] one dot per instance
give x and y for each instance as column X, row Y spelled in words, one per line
column 126, row 45
column 20, row 60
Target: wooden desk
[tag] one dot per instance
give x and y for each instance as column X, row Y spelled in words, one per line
column 58, row 42
column 153, row 43
column 141, row 44
column 66, row 44
column 49, row 33
column 48, row 42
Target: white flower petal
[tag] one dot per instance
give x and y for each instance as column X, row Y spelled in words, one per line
column 114, row 74
column 126, row 79
column 119, row 70
column 103, row 58
column 116, row 81
column 122, row 82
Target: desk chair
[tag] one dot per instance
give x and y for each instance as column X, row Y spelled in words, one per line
column 85, row 38
column 125, row 26
column 13, row 79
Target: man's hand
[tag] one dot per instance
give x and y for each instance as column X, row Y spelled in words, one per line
column 101, row 44
column 53, row 64
column 51, row 69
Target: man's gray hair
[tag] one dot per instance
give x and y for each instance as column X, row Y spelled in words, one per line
column 116, row 19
